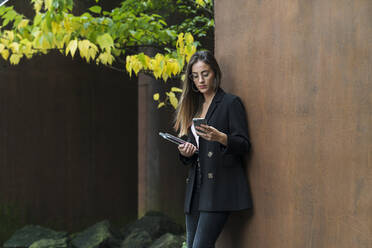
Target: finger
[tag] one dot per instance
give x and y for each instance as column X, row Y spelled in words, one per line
column 184, row 149
column 188, row 149
column 202, row 130
column 201, row 127
column 200, row 134
column 194, row 150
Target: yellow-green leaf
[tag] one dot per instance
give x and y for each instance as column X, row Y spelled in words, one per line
column 106, row 58
column 9, row 35
column 2, row 47
column 37, row 5
column 165, row 76
column 15, row 58
column 15, row 47
column 200, row 2
column 22, row 23
column 173, row 100
column 190, row 50
column 4, row 41
column 128, row 65
column 189, row 38
column 48, row 4
column 93, row 50
column 156, row 96
column 161, row 104
column 180, row 41
column 175, row 89
column 55, row 27
column 72, row 46
column 84, row 49
column 5, row 54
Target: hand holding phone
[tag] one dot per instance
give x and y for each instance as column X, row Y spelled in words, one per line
column 197, row 123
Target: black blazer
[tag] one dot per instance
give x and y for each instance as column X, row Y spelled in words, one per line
column 224, row 186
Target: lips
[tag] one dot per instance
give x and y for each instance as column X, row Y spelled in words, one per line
column 203, row 87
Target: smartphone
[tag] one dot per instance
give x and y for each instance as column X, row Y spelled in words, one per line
column 198, row 122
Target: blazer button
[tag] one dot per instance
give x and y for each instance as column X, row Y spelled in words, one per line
column 210, row 175
column 210, row 154
column 187, row 180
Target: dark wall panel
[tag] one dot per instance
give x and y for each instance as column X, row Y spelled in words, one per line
column 161, row 175
column 68, row 142
column 304, row 72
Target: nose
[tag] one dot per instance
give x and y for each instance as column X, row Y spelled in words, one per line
column 200, row 79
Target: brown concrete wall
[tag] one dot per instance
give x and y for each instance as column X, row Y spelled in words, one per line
column 304, row 72
column 68, row 142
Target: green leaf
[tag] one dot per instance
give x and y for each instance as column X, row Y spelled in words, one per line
column 37, row 19
column 141, row 57
column 105, row 41
column 5, row 22
column 96, row 9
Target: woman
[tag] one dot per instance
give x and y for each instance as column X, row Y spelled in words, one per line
column 216, row 184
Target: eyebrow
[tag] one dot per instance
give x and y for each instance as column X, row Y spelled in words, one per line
column 200, row 72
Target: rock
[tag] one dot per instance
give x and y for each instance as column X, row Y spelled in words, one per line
column 156, row 224
column 137, row 239
column 94, row 236
column 27, row 235
column 168, row 240
column 50, row 243
column 113, row 242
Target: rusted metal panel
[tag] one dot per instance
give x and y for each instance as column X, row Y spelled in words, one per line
column 304, row 72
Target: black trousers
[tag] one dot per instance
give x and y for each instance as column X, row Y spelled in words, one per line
column 203, row 228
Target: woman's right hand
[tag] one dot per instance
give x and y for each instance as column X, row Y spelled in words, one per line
column 187, row 149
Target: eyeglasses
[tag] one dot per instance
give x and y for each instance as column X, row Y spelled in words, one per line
column 204, row 74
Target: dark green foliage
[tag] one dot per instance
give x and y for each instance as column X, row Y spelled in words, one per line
column 12, row 218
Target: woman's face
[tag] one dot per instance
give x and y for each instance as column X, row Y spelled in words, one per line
column 203, row 77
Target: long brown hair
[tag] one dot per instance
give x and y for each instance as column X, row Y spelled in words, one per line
column 191, row 100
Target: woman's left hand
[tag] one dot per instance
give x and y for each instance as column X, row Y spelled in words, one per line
column 211, row 134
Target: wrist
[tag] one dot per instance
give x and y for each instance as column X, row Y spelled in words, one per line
column 222, row 139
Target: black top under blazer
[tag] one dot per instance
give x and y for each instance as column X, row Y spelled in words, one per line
column 224, row 185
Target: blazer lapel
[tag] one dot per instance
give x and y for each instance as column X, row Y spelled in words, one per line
column 216, row 99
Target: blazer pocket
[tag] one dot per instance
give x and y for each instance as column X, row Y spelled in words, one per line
column 230, row 161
